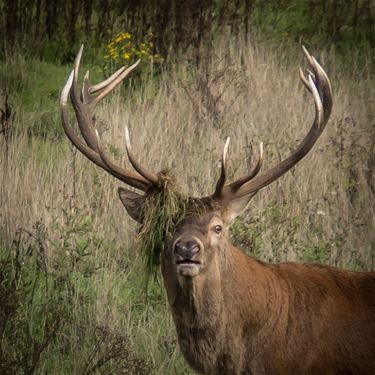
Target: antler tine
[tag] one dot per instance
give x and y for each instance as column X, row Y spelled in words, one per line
column 85, row 104
column 234, row 186
column 85, row 87
column 309, row 58
column 326, row 89
column 77, row 63
column 222, row 190
column 95, row 88
column 223, row 174
column 87, row 151
column 107, row 86
column 319, row 86
column 127, row 176
column 88, row 89
column 149, row 176
column 304, row 80
column 93, row 148
column 82, row 106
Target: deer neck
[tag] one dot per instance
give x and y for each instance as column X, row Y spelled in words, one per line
column 195, row 301
column 211, row 298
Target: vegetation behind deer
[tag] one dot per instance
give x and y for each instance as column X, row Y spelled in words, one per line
column 71, row 269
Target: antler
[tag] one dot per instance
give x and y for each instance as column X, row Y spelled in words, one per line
column 84, row 105
column 319, row 86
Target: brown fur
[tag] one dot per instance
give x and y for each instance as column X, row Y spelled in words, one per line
column 243, row 316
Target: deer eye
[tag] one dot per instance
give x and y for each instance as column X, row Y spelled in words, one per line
column 218, row 229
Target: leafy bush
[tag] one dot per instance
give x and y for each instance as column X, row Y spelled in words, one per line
column 123, row 50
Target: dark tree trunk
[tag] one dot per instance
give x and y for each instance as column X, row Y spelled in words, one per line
column 51, row 18
column 247, row 17
column 87, row 8
column 73, row 20
column 37, row 22
column 11, row 22
column 103, row 18
column 163, row 31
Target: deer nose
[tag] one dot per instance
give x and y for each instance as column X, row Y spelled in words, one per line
column 186, row 250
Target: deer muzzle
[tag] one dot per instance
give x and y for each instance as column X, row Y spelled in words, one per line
column 187, row 255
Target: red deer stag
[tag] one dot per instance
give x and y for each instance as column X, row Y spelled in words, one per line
column 235, row 314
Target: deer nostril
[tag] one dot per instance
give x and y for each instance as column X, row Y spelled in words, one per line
column 186, row 249
column 195, row 249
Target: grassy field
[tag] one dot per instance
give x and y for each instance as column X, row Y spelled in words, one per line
column 72, row 283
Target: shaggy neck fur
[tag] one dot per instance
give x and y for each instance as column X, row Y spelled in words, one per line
column 207, row 309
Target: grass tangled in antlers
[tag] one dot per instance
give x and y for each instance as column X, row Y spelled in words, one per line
column 162, row 212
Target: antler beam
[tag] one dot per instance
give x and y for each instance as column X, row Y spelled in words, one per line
column 91, row 145
column 319, row 86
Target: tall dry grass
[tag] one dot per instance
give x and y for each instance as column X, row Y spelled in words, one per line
column 323, row 210
column 172, row 125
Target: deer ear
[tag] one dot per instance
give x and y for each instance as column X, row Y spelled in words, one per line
column 236, row 206
column 133, row 203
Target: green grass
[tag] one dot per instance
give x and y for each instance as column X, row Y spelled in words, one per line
column 51, row 321
column 34, row 88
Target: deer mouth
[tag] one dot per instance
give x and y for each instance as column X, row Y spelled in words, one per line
column 188, row 267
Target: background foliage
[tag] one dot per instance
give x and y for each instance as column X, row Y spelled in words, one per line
column 71, row 277
column 53, row 30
